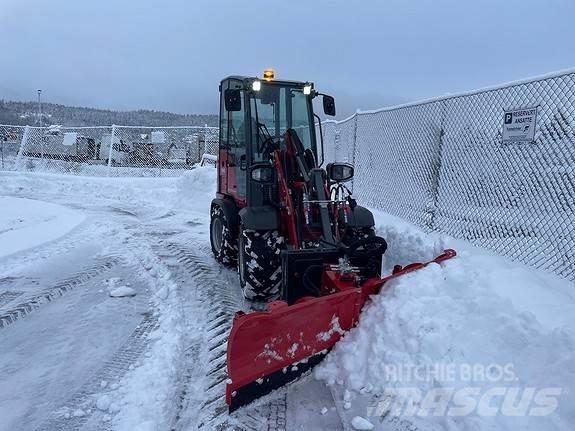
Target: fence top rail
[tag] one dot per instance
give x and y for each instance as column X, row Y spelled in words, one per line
column 115, row 126
column 163, row 127
column 69, row 127
column 510, row 84
column 12, row 125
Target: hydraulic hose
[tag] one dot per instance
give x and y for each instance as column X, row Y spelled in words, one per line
column 308, row 284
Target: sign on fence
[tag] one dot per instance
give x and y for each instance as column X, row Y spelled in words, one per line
column 519, row 125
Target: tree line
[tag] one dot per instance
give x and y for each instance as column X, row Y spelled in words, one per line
column 26, row 113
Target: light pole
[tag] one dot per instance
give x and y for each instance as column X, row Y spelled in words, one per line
column 40, row 107
column 40, row 120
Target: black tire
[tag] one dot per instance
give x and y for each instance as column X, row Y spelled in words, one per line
column 224, row 244
column 259, row 264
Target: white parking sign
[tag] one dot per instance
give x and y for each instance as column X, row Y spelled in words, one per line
column 519, row 125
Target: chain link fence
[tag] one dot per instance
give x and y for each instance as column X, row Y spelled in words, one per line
column 10, row 140
column 443, row 165
column 106, row 151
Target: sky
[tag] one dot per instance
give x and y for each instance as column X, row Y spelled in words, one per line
column 170, row 55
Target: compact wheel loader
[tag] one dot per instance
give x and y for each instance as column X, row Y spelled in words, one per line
column 300, row 241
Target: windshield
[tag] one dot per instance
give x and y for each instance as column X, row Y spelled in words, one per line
column 274, row 109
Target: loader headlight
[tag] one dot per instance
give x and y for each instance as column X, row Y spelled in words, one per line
column 339, row 172
column 257, row 85
column 307, row 89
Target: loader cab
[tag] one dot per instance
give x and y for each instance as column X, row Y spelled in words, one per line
column 254, row 117
column 278, row 215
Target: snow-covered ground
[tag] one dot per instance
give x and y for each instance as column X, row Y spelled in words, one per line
column 27, row 223
column 94, row 356
column 80, row 357
column 477, row 343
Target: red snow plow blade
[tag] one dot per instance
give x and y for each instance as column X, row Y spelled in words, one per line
column 268, row 349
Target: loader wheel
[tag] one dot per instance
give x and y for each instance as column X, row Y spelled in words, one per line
column 259, row 264
column 224, row 245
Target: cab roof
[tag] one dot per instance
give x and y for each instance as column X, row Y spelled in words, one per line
column 273, row 81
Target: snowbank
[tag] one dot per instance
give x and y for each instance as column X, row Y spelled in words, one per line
column 145, row 194
column 27, row 223
column 477, row 323
column 144, row 398
column 192, row 191
column 197, row 188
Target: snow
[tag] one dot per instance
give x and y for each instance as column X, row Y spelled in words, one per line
column 360, row 423
column 140, row 404
column 27, row 223
column 122, row 291
column 103, row 402
column 116, row 288
column 52, row 354
column 78, row 413
column 478, row 309
column 513, row 323
column 334, row 328
column 196, row 189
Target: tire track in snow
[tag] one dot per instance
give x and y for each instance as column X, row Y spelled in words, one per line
column 113, row 369
column 34, row 302
column 221, row 301
column 9, row 296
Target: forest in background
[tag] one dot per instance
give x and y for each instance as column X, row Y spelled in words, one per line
column 26, row 113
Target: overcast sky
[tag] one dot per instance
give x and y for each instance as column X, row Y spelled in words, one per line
column 170, row 55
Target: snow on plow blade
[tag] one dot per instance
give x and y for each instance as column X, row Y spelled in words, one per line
column 271, row 348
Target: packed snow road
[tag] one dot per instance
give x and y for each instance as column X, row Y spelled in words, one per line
column 113, row 314
column 117, row 319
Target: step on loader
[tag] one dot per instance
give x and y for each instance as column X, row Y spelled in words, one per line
column 301, row 243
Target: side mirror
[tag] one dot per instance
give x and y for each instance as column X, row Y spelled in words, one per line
column 233, row 99
column 339, row 172
column 262, row 173
column 328, row 105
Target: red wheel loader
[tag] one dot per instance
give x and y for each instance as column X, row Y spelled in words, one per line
column 301, row 243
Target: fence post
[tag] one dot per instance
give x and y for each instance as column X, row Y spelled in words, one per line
column 112, row 136
column 354, row 146
column 436, row 173
column 205, row 147
column 23, row 143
